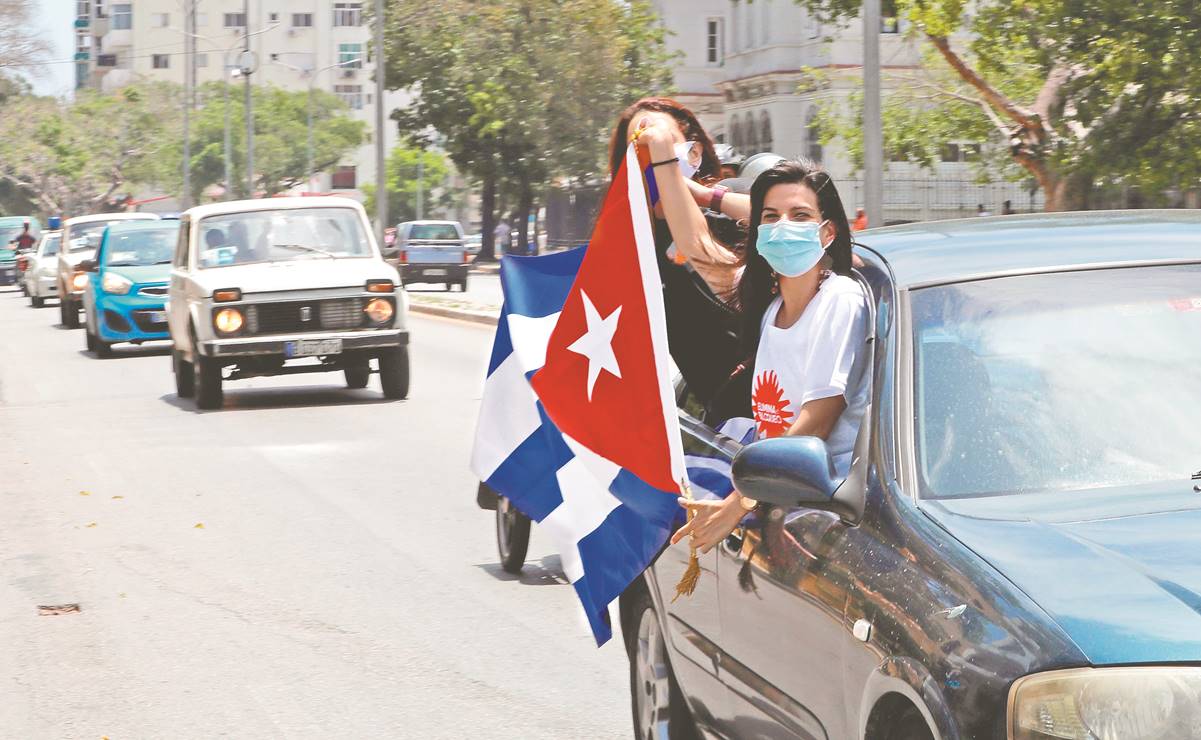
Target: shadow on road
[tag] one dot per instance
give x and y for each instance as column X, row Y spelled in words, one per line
column 131, row 350
column 547, row 572
column 257, row 399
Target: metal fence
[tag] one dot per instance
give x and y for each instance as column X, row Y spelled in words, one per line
column 938, row 198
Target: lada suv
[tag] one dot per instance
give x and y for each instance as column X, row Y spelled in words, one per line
column 282, row 286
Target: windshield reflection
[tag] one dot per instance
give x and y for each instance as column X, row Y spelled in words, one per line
column 282, row 235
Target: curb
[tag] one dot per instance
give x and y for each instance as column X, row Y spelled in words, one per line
column 478, row 317
column 491, row 268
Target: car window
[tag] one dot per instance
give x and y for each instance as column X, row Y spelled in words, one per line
column 83, row 237
column 50, row 245
column 139, row 247
column 434, row 231
column 1067, row 381
column 281, row 235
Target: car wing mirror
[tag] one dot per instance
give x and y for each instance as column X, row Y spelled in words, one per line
column 787, row 471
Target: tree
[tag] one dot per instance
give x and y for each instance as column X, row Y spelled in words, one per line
column 1077, row 91
column 20, row 47
column 280, row 138
column 521, row 91
column 407, row 167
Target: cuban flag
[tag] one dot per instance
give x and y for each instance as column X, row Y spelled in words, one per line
column 577, row 425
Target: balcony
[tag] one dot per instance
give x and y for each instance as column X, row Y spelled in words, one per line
column 117, row 39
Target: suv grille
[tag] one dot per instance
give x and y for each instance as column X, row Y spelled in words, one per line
column 293, row 316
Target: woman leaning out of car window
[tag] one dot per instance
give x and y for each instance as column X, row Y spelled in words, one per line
column 805, row 327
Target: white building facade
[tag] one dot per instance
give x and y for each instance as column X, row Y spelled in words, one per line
column 319, row 42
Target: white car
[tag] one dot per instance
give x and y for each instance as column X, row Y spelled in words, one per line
column 39, row 278
column 81, row 237
column 282, row 286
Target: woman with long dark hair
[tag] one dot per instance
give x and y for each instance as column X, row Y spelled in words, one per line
column 803, row 320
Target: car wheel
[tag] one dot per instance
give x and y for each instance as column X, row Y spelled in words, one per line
column 37, row 301
column 63, row 305
column 512, row 535
column 89, row 341
column 207, row 373
column 463, row 285
column 910, row 725
column 394, row 372
column 448, row 286
column 100, row 347
column 357, row 375
column 658, row 705
column 185, row 377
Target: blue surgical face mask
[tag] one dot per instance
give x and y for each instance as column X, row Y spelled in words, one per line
column 791, row 248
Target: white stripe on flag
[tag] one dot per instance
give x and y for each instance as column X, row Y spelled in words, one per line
column 530, row 337
column 508, row 416
column 586, row 504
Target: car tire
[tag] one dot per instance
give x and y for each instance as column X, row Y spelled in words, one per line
column 207, row 379
column 463, row 285
column 98, row 346
column 512, row 536
column 89, row 341
column 37, row 301
column 357, row 375
column 656, row 702
column 910, row 725
column 448, row 286
column 185, row 376
column 68, row 315
column 394, row 372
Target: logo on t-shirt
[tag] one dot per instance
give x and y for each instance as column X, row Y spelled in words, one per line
column 770, row 407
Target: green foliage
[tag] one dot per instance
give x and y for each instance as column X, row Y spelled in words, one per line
column 1077, row 91
column 406, row 166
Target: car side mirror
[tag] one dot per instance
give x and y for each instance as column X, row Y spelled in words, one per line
column 787, row 471
column 87, row 266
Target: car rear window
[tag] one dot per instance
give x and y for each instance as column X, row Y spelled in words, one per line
column 434, row 231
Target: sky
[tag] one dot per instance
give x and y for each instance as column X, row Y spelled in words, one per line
column 52, row 20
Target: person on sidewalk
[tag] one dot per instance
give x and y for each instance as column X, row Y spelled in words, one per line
column 501, row 236
column 860, row 222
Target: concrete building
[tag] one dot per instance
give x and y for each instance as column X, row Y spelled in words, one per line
column 296, row 44
column 757, row 73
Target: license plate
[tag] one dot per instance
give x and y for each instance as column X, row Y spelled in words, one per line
column 434, row 272
column 158, row 317
column 313, row 347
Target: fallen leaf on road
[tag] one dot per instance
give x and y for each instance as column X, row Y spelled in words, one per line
column 85, row 493
column 199, row 525
column 118, row 497
column 91, row 525
column 49, row 611
column 121, row 595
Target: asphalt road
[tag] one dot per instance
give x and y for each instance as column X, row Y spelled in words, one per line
column 306, row 562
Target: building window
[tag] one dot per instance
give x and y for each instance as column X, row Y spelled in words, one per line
column 302, row 20
column 202, row 59
column 343, row 178
column 714, row 41
column 161, row 20
column 160, row 61
column 122, row 17
column 352, row 95
column 106, row 60
column 889, row 22
column 83, row 9
column 348, row 14
column 99, row 7
column 765, row 139
column 83, row 42
column 955, row 152
column 350, row 56
column 765, row 15
column 235, row 20
column 813, row 137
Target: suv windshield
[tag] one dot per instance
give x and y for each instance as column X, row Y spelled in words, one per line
column 140, row 246
column 434, row 231
column 87, row 236
column 282, row 235
column 1066, row 381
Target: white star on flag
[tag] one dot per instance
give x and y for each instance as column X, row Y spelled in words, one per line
column 597, row 343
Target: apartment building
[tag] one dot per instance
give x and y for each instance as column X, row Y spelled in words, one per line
column 296, row 43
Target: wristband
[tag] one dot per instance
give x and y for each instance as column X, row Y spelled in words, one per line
column 719, row 191
column 666, row 161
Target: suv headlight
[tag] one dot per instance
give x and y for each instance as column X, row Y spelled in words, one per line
column 228, row 321
column 115, row 284
column 79, row 280
column 1141, row 703
column 379, row 310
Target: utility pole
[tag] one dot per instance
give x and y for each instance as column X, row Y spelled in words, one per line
column 247, row 70
column 381, row 176
column 873, row 127
column 189, row 83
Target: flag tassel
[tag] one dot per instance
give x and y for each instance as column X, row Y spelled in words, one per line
column 692, row 574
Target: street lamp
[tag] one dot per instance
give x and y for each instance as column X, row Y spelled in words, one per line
column 312, row 81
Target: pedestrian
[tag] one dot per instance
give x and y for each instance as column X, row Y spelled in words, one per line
column 980, row 211
column 501, row 236
column 860, row 222
column 1007, row 209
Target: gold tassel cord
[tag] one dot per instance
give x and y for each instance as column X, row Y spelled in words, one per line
column 692, row 574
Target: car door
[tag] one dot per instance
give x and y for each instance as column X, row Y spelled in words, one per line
column 785, row 583
column 177, row 301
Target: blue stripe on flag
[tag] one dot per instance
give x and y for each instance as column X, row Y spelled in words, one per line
column 527, row 476
column 538, row 286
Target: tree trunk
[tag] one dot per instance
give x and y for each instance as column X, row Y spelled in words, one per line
column 1068, row 192
column 488, row 220
column 524, row 205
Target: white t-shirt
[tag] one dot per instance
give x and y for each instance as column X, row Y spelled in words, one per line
column 821, row 355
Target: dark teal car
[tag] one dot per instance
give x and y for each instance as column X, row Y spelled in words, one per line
column 126, row 292
column 1016, row 552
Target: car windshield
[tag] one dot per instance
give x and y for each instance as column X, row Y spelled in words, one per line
column 282, row 235
column 1059, row 382
column 87, row 236
column 50, row 246
column 434, row 231
column 137, row 247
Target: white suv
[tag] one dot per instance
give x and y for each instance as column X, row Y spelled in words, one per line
column 282, row 286
column 81, row 237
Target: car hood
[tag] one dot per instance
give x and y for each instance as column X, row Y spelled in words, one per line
column 142, row 274
column 1118, row 570
column 74, row 258
column 298, row 274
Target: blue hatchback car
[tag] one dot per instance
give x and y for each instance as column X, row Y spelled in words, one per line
column 1016, row 552
column 127, row 286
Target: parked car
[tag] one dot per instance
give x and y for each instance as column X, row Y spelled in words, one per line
column 39, row 278
column 8, row 265
column 1015, row 551
column 283, row 286
column 474, row 243
column 81, row 237
column 432, row 252
column 127, row 287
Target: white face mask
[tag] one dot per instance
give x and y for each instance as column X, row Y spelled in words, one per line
column 683, row 150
